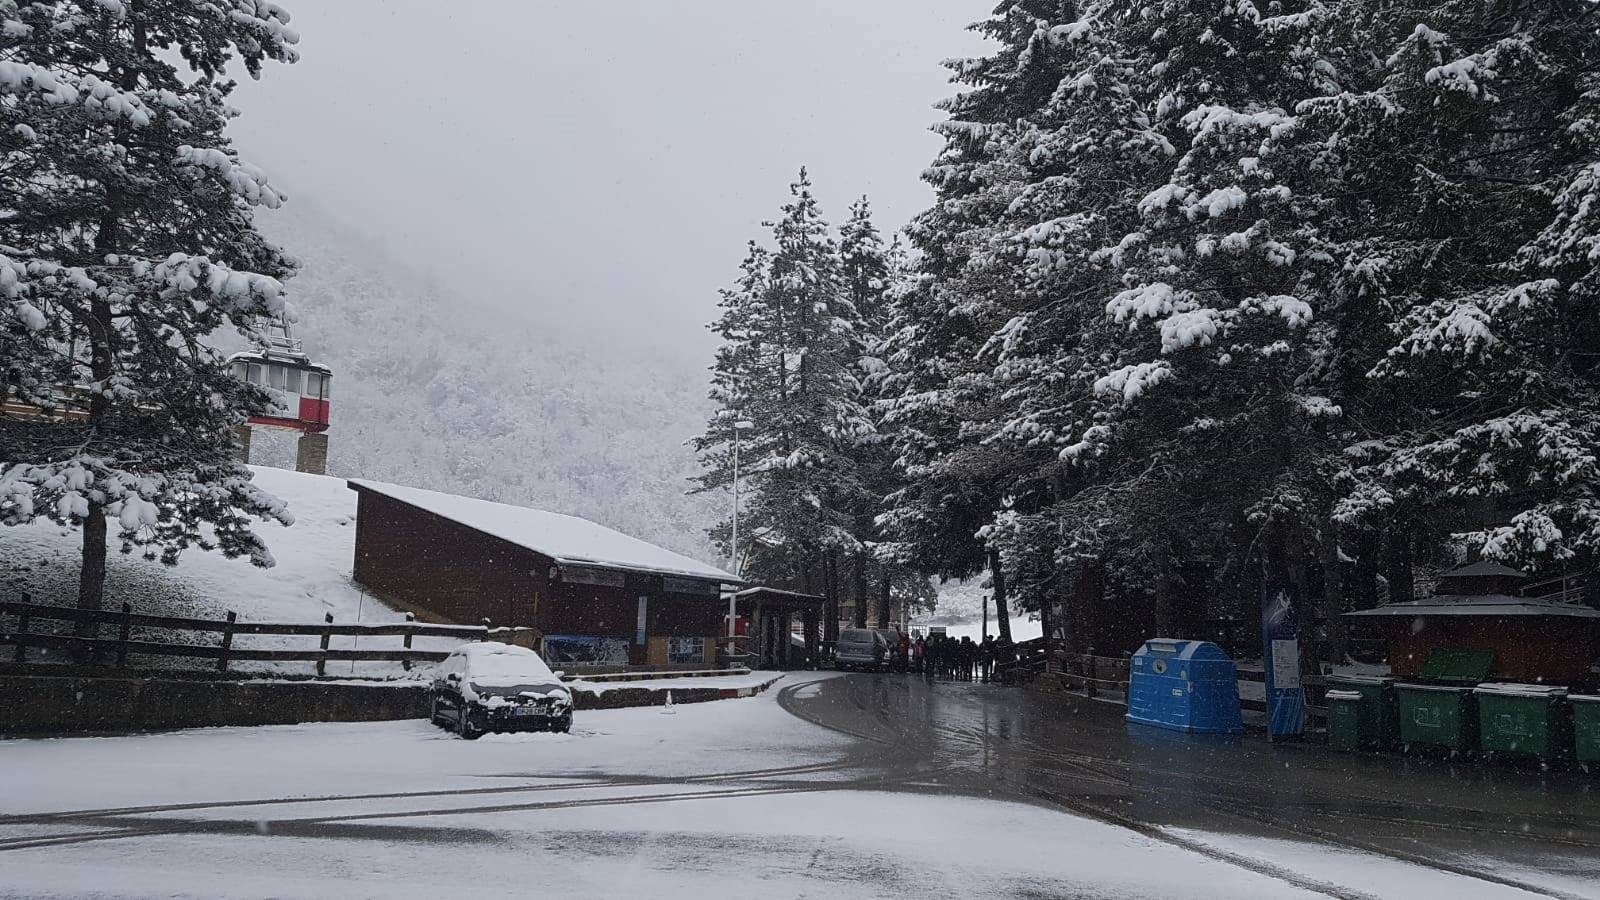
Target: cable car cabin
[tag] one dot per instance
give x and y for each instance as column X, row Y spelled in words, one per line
column 299, row 388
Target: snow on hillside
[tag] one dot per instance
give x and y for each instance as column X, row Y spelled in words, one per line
column 436, row 389
column 311, row 578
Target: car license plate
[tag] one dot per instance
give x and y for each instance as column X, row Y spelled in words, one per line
column 530, row 710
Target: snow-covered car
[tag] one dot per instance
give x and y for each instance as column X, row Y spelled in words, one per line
column 489, row 686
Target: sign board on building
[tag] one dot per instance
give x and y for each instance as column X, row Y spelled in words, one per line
column 686, row 649
column 602, row 577
column 1280, row 639
column 568, row 650
column 675, row 585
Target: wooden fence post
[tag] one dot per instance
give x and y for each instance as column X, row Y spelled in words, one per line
column 327, row 635
column 124, row 631
column 486, row 627
column 406, row 663
column 227, row 641
column 21, row 653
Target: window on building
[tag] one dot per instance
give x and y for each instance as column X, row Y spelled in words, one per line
column 254, row 375
column 292, row 381
column 275, row 376
column 686, row 649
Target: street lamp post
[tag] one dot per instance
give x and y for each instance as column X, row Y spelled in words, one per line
column 733, row 602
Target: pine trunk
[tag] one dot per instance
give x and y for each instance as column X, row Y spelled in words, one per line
column 1044, row 626
column 1333, row 597
column 830, row 593
column 92, row 574
column 1167, row 625
column 885, row 602
column 1002, row 613
column 860, row 590
column 1397, row 566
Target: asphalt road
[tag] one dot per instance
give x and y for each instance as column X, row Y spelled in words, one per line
column 1490, row 822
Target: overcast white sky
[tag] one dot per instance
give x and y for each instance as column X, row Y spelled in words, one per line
column 600, row 161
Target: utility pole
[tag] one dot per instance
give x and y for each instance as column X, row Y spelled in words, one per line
column 986, row 617
column 740, row 426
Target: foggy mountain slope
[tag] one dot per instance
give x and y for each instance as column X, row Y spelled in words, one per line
column 436, row 391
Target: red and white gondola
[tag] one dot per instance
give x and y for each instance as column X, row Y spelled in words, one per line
column 299, row 388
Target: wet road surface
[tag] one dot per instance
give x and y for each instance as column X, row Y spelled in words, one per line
column 1491, row 822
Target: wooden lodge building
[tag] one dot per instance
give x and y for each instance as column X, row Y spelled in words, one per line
column 1481, row 607
column 596, row 597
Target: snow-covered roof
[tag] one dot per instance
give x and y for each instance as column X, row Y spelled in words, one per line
column 1484, row 568
column 1480, row 605
column 774, row 592
column 568, row 540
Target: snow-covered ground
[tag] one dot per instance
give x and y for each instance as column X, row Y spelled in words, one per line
column 726, row 799
column 1022, row 628
column 960, row 612
column 311, row 578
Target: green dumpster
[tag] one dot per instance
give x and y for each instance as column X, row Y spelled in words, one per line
column 1344, row 720
column 1442, row 712
column 1524, row 720
column 1377, row 714
column 1438, row 715
column 1586, row 727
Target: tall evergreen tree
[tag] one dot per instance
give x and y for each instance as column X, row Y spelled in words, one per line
column 127, row 240
column 1465, row 158
column 787, row 367
column 941, row 390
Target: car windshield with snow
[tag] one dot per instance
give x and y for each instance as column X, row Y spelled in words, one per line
column 493, row 687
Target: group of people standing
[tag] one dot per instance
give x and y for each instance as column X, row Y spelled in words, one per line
column 940, row 656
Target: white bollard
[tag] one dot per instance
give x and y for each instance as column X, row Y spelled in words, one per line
column 668, row 710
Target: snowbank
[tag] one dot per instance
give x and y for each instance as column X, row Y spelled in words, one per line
column 752, row 681
column 311, row 578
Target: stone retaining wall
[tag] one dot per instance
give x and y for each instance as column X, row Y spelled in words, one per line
column 66, row 705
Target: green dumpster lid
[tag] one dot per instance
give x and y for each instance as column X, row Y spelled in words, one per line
column 1541, row 691
column 1437, row 688
column 1360, row 679
column 1453, row 666
column 1584, row 698
column 1334, row 694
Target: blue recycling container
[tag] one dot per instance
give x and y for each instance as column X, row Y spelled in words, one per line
column 1185, row 686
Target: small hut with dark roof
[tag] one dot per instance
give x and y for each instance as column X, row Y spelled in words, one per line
column 1479, row 607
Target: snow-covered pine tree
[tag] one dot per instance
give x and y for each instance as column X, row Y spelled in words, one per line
column 787, row 367
column 1466, row 157
column 127, row 240
column 1167, row 343
column 943, row 402
column 873, row 274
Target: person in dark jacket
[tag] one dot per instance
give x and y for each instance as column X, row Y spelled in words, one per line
column 986, row 658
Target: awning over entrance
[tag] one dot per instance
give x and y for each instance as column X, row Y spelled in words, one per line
column 773, row 615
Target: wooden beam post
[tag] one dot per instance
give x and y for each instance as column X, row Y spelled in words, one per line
column 124, row 631
column 227, row 641
column 21, row 653
column 406, row 663
column 327, row 635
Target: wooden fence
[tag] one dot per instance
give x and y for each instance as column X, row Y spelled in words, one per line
column 1105, row 677
column 86, row 639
